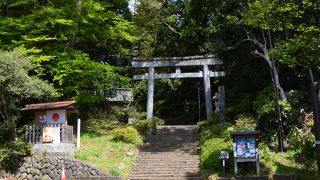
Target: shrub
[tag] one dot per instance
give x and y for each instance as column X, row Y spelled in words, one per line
column 243, row 123
column 146, row 127
column 209, row 130
column 303, row 144
column 11, row 152
column 210, row 151
column 127, row 134
column 214, row 139
column 159, row 121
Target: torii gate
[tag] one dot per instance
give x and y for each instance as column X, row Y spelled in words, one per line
column 178, row 62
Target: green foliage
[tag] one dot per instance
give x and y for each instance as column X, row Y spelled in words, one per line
column 115, row 172
column 303, row 144
column 301, row 49
column 210, row 130
column 71, row 43
column 12, row 152
column 210, row 151
column 146, row 127
column 82, row 155
column 127, row 134
column 87, row 81
column 273, row 14
column 214, row 138
column 16, row 86
column 243, row 123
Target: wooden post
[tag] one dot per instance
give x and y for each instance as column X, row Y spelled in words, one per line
column 33, row 134
column 78, row 133
column 207, row 91
column 150, row 92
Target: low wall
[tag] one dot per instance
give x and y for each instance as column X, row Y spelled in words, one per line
column 50, row 167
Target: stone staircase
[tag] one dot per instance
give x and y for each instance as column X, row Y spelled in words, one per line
column 170, row 154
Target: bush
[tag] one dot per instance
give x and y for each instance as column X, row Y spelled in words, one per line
column 303, row 144
column 11, row 153
column 127, row 134
column 210, row 151
column 243, row 123
column 146, row 127
column 211, row 130
column 214, row 139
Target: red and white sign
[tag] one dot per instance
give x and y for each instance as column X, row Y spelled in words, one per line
column 56, row 116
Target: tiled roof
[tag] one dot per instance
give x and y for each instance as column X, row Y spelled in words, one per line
column 50, row 105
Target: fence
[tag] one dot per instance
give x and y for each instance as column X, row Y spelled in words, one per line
column 34, row 133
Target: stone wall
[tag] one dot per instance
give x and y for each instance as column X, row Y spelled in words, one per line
column 50, row 167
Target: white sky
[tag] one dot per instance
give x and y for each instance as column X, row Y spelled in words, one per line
column 132, row 4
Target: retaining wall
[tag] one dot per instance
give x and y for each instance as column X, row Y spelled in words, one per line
column 50, row 167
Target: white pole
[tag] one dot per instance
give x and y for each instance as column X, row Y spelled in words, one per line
column 78, row 134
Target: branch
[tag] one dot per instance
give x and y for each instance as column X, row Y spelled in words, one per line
column 170, row 27
column 263, row 56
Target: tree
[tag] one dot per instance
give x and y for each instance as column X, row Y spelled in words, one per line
column 80, row 36
column 49, row 29
column 87, row 81
column 17, row 85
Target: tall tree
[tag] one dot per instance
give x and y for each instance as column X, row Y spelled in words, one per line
column 15, row 86
column 55, row 33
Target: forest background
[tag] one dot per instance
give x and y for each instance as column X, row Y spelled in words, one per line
column 83, row 48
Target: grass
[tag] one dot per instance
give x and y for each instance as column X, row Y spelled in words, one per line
column 115, row 158
column 284, row 163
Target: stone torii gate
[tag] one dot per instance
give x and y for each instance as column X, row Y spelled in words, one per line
column 177, row 62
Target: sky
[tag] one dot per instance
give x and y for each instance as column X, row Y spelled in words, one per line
column 132, row 4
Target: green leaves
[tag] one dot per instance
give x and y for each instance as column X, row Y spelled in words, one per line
column 84, row 80
column 271, row 14
column 302, row 49
column 17, row 85
column 15, row 81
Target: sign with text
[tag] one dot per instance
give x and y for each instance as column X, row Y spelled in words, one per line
column 51, row 135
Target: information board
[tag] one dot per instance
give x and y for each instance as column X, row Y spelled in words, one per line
column 51, row 135
column 245, row 147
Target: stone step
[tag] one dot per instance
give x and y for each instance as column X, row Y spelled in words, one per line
column 168, row 160
column 171, row 154
column 166, row 170
column 159, row 167
column 177, row 152
column 168, row 156
column 166, row 178
column 167, row 175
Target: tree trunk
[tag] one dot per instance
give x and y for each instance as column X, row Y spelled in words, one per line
column 282, row 95
column 315, row 106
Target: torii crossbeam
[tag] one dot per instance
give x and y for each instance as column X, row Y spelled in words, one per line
column 177, row 62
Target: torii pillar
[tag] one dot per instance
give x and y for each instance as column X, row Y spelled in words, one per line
column 207, row 91
column 150, row 92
